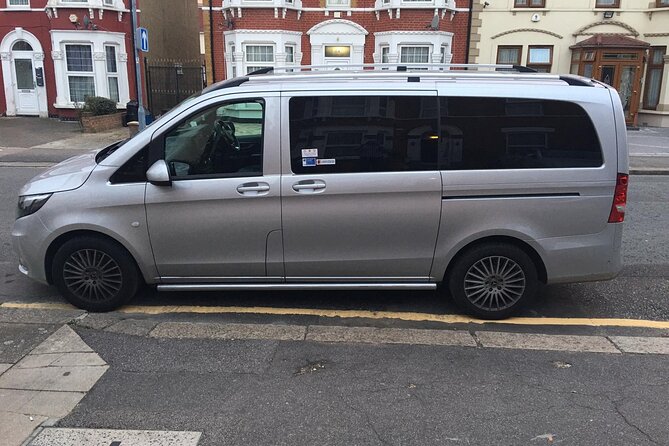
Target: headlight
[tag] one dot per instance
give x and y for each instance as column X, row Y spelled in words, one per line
column 29, row 204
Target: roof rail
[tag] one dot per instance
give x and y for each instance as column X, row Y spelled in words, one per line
column 402, row 67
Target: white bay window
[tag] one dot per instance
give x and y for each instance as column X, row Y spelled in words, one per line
column 251, row 50
column 89, row 64
column 80, row 79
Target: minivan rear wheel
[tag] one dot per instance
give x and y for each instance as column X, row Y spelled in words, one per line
column 493, row 281
column 95, row 274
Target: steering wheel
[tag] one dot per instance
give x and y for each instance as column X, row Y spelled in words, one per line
column 227, row 131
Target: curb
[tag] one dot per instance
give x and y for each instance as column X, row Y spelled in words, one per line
column 649, row 171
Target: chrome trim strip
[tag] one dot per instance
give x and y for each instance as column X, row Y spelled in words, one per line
column 296, row 286
column 511, row 195
column 358, row 279
column 214, row 279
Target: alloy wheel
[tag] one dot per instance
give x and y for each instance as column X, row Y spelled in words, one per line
column 494, row 283
column 92, row 275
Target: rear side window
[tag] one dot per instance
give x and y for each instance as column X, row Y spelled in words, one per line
column 342, row 134
column 504, row 133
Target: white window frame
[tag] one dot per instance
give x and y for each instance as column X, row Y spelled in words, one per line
column 25, row 5
column 112, row 74
column 69, row 73
column 403, row 47
column 252, row 65
column 292, row 53
column 337, row 3
column 98, row 40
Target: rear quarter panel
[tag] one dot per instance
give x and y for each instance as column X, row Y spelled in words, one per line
column 549, row 209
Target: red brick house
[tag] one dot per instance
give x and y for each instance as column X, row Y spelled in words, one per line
column 251, row 34
column 56, row 52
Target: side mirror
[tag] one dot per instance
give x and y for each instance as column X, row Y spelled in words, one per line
column 158, row 174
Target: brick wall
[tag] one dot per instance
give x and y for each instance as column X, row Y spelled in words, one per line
column 410, row 20
column 95, row 124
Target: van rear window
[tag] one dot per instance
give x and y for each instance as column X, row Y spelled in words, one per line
column 504, row 133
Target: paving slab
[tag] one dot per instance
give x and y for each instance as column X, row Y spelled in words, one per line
column 373, row 335
column 530, row 341
column 66, row 379
column 182, row 330
column 646, row 345
column 107, row 437
column 64, row 340
column 60, row 360
column 15, row 428
column 40, row 402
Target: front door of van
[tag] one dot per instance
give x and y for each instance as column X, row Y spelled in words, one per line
column 361, row 193
column 216, row 219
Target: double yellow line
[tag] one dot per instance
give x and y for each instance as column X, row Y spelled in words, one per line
column 363, row 314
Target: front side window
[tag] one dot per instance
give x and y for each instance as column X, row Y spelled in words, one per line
column 662, row 3
column 344, row 134
column 79, row 64
column 222, row 141
column 540, row 58
column 415, row 54
column 509, row 54
column 479, row 133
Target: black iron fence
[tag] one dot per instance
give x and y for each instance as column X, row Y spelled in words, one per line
column 169, row 82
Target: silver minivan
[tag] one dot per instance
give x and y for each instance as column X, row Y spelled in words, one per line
column 488, row 182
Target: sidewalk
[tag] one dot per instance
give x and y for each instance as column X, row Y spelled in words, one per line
column 41, row 142
column 144, row 379
column 49, row 140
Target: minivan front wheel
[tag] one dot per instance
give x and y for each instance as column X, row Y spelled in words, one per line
column 493, row 281
column 94, row 274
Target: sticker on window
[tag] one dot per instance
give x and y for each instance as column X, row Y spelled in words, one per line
column 308, row 162
column 309, row 153
column 325, row 162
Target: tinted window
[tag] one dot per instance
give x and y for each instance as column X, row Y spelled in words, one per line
column 363, row 134
column 133, row 171
column 502, row 133
column 225, row 141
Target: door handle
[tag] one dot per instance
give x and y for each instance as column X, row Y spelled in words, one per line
column 309, row 186
column 253, row 189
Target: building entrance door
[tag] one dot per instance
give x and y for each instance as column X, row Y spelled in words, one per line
column 626, row 78
column 25, row 88
column 616, row 61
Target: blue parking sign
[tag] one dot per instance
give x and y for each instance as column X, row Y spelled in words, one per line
column 143, row 39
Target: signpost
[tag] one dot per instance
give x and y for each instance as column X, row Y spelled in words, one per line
column 143, row 39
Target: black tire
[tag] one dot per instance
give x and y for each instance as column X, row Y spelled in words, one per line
column 95, row 274
column 493, row 280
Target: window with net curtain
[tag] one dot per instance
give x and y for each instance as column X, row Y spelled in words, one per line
column 654, row 77
column 80, row 79
column 509, row 55
column 415, row 54
column 258, row 57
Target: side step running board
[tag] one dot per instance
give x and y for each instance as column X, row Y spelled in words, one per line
column 296, row 286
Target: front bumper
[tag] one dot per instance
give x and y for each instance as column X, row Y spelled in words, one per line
column 29, row 241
